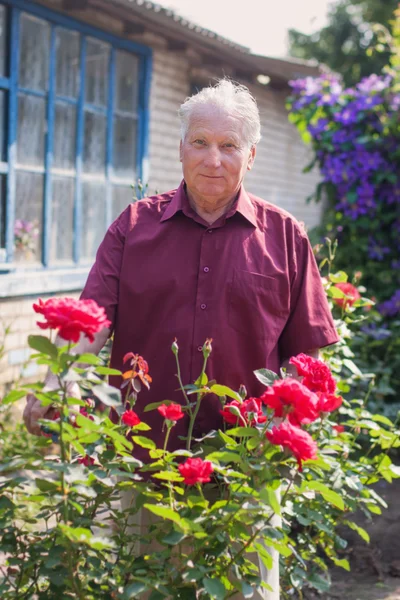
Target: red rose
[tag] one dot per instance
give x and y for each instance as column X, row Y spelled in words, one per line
column 130, row 418
column 298, row 441
column 196, row 470
column 316, row 374
column 72, row 317
column 173, row 412
column 251, row 410
column 328, row 402
column 228, row 416
column 352, row 294
column 290, row 397
column 86, row 460
column 338, row 428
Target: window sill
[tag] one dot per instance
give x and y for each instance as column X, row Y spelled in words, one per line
column 29, row 282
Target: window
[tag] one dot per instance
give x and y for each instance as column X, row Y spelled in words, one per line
column 79, row 98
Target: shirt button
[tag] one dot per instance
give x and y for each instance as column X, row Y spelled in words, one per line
column 209, row 230
column 206, row 269
column 199, row 348
column 203, row 306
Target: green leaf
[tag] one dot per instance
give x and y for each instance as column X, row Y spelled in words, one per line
column 201, row 380
column 215, row 588
column 244, row 432
column 13, row 396
column 43, row 344
column 88, row 359
column 265, row 376
column 133, row 589
column 144, row 442
column 338, row 277
column 352, row 366
column 46, row 485
column 167, row 513
column 154, row 405
column 107, row 371
column 361, row 532
column 318, row 582
column 328, row 494
column 168, row 476
column 223, row 390
column 343, row 563
column 107, row 394
column 269, row 496
column 224, row 457
column 264, row 555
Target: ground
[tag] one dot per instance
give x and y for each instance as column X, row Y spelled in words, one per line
column 375, row 567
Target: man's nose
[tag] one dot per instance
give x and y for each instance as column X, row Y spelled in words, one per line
column 213, row 158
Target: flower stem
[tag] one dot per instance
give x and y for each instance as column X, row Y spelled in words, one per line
column 193, row 414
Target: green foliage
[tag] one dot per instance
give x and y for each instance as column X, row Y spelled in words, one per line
column 348, row 43
column 64, row 533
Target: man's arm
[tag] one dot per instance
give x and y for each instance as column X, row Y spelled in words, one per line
column 34, row 409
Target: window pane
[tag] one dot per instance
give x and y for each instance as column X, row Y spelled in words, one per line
column 127, row 76
column 34, row 53
column 31, row 130
column 97, row 61
column 124, row 147
column 94, row 156
column 62, row 226
column 29, row 217
column 67, row 69
column 121, row 197
column 3, row 122
column 64, row 137
column 2, row 211
column 93, row 217
column 3, row 40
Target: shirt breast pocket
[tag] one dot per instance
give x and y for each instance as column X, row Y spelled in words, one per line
column 258, row 305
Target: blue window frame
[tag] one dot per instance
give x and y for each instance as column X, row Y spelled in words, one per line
column 74, row 112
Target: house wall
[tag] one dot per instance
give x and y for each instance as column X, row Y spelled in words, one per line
column 276, row 177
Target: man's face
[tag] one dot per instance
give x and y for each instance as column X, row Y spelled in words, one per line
column 214, row 155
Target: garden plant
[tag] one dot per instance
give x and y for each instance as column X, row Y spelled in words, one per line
column 210, row 504
column 355, row 138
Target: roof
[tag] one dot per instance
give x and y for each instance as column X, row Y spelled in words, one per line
column 179, row 29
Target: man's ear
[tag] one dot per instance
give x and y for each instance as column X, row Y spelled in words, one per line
column 180, row 150
column 252, row 157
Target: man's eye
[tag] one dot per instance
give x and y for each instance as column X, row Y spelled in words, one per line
column 229, row 145
column 201, row 142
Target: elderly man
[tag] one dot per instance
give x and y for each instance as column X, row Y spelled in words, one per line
column 207, row 260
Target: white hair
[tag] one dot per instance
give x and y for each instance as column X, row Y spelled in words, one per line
column 231, row 97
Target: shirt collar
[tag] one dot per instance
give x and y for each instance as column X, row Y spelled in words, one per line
column 180, row 201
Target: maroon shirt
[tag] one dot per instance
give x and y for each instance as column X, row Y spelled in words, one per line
column 249, row 281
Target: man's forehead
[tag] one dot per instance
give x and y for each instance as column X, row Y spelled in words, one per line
column 212, row 117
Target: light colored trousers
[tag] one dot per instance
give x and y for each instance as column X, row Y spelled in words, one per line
column 144, row 519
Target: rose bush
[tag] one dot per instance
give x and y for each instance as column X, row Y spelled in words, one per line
column 64, row 532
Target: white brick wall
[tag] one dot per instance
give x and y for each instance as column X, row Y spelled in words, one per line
column 281, row 156
column 170, row 86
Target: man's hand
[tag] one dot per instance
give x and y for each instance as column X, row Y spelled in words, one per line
column 34, row 410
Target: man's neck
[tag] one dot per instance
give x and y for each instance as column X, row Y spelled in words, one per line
column 210, row 209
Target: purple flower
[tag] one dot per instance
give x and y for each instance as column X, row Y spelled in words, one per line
column 367, row 102
column 320, row 126
column 328, row 99
column 377, row 333
column 395, row 264
column 376, row 251
column 374, row 83
column 343, row 136
column 309, row 86
column 347, row 116
column 391, row 307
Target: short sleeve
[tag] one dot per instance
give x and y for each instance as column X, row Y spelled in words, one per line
column 102, row 284
column 310, row 324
